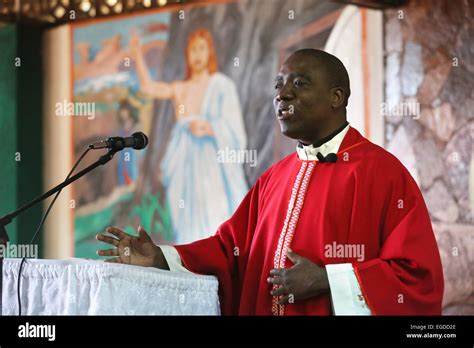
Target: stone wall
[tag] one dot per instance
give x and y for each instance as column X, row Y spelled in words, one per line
column 429, row 113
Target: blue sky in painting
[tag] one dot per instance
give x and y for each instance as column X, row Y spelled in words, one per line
column 94, row 34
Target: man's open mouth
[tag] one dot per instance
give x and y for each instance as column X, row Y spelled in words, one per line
column 284, row 113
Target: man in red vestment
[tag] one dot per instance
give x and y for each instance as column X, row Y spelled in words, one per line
column 338, row 227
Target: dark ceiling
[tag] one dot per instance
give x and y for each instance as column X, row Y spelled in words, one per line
column 55, row 12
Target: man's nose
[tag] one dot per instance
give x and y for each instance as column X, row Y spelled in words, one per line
column 285, row 93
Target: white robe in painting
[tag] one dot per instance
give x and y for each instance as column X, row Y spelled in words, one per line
column 201, row 192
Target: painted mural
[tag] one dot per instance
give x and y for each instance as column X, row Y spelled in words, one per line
column 199, row 82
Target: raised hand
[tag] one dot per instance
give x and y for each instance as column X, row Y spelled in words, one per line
column 132, row 250
column 135, row 44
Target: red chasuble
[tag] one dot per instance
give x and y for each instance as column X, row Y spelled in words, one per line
column 366, row 198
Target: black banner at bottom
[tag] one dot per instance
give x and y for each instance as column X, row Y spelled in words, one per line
column 136, row 330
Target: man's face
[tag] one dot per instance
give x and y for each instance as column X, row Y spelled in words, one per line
column 302, row 99
column 198, row 55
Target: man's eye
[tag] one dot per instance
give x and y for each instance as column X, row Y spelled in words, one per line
column 298, row 83
column 278, row 86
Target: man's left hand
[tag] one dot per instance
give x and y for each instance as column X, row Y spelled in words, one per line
column 302, row 281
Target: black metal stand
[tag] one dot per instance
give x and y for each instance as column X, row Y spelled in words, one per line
column 5, row 220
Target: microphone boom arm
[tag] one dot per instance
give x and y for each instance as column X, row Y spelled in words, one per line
column 5, row 220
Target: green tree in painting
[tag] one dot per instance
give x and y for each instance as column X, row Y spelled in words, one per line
column 153, row 216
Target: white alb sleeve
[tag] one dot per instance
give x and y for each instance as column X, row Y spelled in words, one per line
column 172, row 258
column 346, row 295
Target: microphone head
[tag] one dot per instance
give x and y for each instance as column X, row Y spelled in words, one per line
column 141, row 140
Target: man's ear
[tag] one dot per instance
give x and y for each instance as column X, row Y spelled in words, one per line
column 337, row 97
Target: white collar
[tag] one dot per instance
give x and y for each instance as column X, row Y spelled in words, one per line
column 309, row 152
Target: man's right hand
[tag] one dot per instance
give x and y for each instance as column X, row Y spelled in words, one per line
column 139, row 251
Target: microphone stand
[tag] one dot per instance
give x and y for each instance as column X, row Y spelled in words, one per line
column 5, row 220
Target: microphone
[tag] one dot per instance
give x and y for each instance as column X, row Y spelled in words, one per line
column 137, row 141
column 330, row 158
